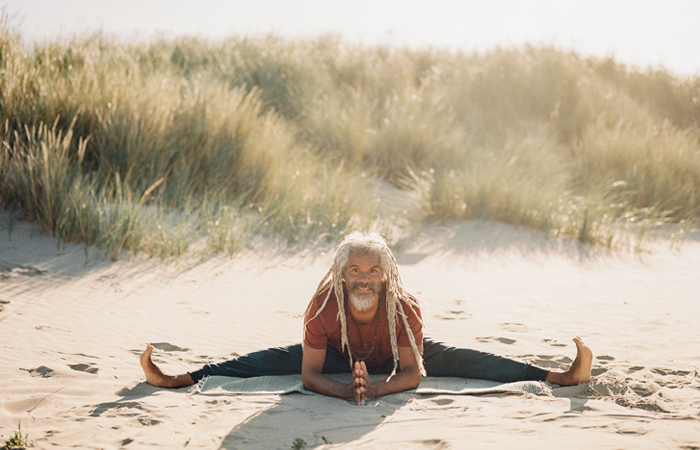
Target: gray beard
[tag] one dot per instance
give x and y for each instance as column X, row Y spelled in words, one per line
column 362, row 302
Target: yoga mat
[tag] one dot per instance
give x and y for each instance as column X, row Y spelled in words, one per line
column 287, row 384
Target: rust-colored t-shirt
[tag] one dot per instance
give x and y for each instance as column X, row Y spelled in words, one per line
column 325, row 329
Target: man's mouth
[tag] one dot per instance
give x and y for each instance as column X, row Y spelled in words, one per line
column 364, row 288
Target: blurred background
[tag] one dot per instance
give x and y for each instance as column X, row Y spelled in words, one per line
column 152, row 126
column 647, row 33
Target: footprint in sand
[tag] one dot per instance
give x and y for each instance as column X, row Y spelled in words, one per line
column 89, row 368
column 502, row 340
column 166, row 347
column 41, row 371
column 515, row 327
column 435, row 444
column 552, row 362
column 554, row 343
column 455, row 315
column 625, row 392
column 11, row 270
column 604, row 358
column 147, row 422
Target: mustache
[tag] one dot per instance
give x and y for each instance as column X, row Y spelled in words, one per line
column 370, row 286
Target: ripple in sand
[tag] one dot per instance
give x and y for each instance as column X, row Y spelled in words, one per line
column 48, row 328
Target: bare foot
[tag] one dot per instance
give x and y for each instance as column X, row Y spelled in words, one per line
column 580, row 370
column 156, row 377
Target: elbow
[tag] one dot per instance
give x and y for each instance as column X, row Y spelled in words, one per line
column 416, row 382
column 306, row 381
column 414, row 379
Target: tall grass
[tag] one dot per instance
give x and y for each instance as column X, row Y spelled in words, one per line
column 174, row 145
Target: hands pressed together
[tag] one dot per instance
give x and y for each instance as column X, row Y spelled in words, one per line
column 361, row 387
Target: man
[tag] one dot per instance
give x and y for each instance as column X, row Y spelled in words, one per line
column 362, row 321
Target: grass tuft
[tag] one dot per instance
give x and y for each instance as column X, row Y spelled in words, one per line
column 18, row 441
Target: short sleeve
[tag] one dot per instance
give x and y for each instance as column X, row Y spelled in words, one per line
column 315, row 335
column 415, row 324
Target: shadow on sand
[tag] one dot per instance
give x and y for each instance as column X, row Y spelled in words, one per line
column 317, row 420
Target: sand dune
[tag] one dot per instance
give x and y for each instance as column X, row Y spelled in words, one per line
column 71, row 332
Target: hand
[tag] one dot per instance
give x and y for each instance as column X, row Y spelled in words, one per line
column 363, row 387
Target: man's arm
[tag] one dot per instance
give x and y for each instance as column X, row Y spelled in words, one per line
column 408, row 378
column 314, row 380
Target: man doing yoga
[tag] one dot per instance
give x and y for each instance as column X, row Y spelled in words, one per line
column 362, row 321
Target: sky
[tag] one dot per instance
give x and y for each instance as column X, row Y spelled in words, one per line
column 644, row 33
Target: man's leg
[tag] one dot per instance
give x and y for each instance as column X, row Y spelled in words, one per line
column 443, row 361
column 273, row 361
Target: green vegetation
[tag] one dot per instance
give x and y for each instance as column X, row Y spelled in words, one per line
column 298, row 444
column 181, row 145
column 17, row 442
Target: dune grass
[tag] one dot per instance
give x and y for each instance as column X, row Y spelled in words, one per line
column 180, row 145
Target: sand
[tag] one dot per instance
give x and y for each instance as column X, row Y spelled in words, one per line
column 71, row 331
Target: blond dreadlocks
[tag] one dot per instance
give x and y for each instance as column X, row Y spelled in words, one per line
column 396, row 296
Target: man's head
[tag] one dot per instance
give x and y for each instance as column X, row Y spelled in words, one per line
column 363, row 279
column 361, row 259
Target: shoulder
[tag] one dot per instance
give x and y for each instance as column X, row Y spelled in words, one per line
column 411, row 305
column 326, row 296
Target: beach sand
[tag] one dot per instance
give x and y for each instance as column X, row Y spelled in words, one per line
column 71, row 332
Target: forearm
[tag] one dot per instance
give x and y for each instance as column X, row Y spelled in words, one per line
column 322, row 384
column 402, row 381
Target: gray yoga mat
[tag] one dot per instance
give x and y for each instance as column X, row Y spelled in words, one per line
column 287, row 384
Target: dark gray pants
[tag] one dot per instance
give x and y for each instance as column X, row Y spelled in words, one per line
column 439, row 359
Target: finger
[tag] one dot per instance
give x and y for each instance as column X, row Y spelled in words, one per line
column 359, row 397
column 360, row 394
column 365, row 372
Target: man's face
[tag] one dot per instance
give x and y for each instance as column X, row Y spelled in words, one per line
column 363, row 278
